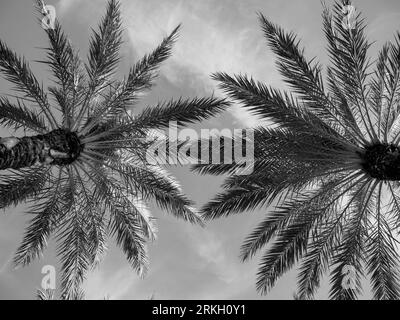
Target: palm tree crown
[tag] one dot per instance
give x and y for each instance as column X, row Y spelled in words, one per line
column 330, row 165
column 85, row 172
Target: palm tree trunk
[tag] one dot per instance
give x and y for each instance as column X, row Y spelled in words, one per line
column 382, row 161
column 58, row 147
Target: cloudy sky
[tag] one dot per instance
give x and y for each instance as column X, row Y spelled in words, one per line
column 187, row 262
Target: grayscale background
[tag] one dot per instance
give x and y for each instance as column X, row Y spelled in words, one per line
column 186, row 262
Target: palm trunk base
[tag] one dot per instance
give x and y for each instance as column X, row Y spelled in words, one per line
column 58, row 147
column 382, row 161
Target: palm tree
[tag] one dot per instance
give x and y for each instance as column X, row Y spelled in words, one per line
column 329, row 167
column 84, row 171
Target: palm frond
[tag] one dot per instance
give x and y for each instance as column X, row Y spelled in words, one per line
column 348, row 49
column 17, row 71
column 281, row 108
column 292, row 240
column 152, row 183
column 321, row 250
column 383, row 262
column 74, row 245
column 104, row 47
column 304, row 76
column 349, row 253
column 126, row 221
column 20, row 185
column 38, row 232
column 19, row 116
column 140, row 78
column 379, row 88
column 130, row 237
column 67, row 70
column 47, row 294
column 181, row 111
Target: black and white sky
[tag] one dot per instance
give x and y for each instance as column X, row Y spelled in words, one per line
column 186, row 262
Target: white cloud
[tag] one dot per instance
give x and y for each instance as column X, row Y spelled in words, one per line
column 116, row 285
column 64, row 6
column 212, row 251
column 210, row 40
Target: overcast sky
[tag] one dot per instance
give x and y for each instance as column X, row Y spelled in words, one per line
column 187, row 262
